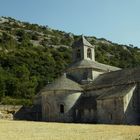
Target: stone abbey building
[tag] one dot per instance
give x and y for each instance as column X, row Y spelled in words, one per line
column 91, row 92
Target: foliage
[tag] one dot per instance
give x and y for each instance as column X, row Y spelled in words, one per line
column 12, row 101
column 25, row 69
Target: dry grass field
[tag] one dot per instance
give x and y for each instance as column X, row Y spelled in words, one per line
column 24, row 130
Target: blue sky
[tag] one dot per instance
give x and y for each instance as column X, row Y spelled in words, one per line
column 115, row 20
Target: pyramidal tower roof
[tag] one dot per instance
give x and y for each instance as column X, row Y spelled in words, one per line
column 81, row 42
column 63, row 83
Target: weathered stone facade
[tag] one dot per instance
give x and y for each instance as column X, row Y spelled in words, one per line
column 51, row 104
column 91, row 92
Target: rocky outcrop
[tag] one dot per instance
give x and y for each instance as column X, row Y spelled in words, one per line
column 11, row 112
column 8, row 111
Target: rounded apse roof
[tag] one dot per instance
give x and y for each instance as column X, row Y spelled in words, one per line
column 62, row 83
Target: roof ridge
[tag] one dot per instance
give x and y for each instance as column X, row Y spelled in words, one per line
column 92, row 64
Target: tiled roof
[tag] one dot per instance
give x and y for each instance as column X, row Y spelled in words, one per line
column 116, row 91
column 120, row 77
column 92, row 64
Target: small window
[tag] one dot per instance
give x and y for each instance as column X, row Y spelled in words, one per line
column 61, row 108
column 110, row 116
column 134, row 104
column 78, row 53
column 89, row 55
column 85, row 75
column 76, row 112
column 115, row 104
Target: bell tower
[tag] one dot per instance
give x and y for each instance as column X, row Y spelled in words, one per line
column 83, row 50
column 84, row 68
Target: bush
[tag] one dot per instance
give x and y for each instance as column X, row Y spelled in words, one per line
column 11, row 101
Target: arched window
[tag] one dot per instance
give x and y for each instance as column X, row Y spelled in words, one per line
column 78, row 55
column 61, row 108
column 89, row 55
column 115, row 104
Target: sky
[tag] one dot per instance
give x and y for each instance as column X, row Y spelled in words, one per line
column 115, row 20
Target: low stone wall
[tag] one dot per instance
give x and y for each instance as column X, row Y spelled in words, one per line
column 8, row 111
column 11, row 112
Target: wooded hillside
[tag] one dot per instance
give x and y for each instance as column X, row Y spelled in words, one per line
column 32, row 56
